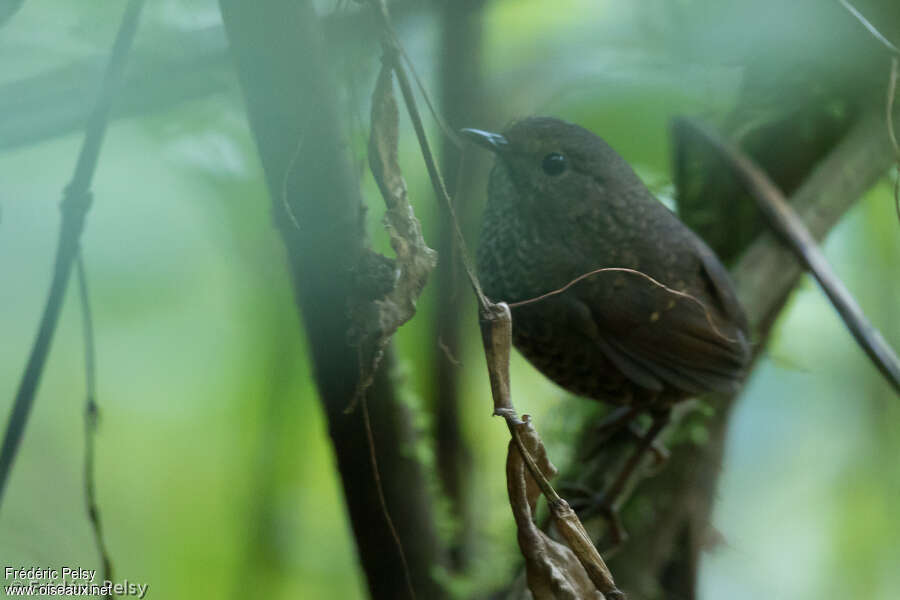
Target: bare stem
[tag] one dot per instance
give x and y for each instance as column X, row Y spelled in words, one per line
column 392, row 50
column 889, row 109
column 383, row 501
column 75, row 204
column 91, row 415
column 870, row 27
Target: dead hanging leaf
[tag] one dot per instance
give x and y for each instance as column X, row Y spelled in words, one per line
column 552, row 570
column 393, row 296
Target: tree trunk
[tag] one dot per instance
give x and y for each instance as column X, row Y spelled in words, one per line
column 291, row 103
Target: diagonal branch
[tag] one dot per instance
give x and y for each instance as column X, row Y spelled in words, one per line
column 766, row 272
column 169, row 70
column 785, row 222
column 75, row 204
column 870, row 27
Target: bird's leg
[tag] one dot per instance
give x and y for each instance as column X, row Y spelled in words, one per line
column 660, row 452
column 616, row 419
column 624, row 416
column 612, row 423
column 608, row 502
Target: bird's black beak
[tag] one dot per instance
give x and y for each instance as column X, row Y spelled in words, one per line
column 492, row 141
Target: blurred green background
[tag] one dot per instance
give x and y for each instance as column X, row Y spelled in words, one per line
column 215, row 475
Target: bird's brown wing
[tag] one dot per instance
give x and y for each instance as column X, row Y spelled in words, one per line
column 661, row 338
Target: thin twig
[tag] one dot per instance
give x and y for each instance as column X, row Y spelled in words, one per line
column 391, row 52
column 790, row 227
column 284, row 184
column 889, row 109
column 448, row 353
column 870, row 27
column 91, row 416
column 889, row 105
column 75, row 204
column 659, row 284
column 381, row 8
column 451, row 135
column 438, row 183
column 891, row 92
column 381, row 499
column 897, row 190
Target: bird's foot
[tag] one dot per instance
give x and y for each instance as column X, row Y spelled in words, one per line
column 659, row 452
column 587, row 503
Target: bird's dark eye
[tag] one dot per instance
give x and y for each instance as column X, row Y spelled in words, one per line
column 554, row 164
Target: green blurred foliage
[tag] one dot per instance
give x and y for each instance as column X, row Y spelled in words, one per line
column 215, row 475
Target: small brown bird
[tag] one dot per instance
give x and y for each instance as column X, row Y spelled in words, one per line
column 612, row 297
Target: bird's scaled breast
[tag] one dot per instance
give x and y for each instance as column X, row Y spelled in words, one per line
column 569, row 358
column 516, row 263
column 521, row 257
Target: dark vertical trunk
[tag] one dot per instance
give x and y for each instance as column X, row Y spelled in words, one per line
column 291, row 103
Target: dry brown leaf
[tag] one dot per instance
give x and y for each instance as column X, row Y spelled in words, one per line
column 393, row 292
column 552, row 570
